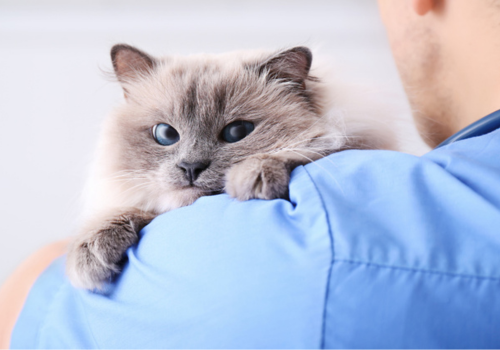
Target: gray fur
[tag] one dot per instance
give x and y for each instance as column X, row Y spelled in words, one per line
column 96, row 255
column 198, row 96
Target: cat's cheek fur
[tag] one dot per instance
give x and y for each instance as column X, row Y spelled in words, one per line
column 258, row 177
column 95, row 255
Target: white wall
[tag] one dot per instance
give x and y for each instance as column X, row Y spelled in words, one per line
column 53, row 94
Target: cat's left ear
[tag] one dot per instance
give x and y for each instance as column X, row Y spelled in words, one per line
column 130, row 63
column 290, row 65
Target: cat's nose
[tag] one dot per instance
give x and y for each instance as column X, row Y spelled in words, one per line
column 193, row 170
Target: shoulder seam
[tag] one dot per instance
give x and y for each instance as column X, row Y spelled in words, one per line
column 332, row 245
column 415, row 270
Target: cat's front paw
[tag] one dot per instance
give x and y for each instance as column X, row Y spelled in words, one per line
column 95, row 256
column 259, row 176
column 90, row 263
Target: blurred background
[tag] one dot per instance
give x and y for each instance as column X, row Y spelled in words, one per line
column 53, row 94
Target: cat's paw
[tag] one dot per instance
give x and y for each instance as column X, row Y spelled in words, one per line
column 95, row 256
column 259, row 176
column 88, row 265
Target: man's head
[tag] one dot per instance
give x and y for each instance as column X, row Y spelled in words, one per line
column 447, row 53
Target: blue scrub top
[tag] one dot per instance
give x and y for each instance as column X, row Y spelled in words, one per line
column 375, row 249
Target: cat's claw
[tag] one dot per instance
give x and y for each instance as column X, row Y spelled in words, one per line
column 259, row 176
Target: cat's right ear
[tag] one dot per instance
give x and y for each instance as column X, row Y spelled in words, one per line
column 130, row 63
column 289, row 65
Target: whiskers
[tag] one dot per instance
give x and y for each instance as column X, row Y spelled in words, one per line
column 127, row 175
column 131, row 182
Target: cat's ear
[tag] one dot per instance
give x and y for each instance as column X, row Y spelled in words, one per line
column 290, row 65
column 130, row 63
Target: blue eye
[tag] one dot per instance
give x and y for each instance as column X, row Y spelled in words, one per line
column 165, row 135
column 237, row 131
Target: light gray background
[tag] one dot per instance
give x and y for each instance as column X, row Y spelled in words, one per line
column 53, row 94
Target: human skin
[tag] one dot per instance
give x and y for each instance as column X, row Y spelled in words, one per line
column 446, row 52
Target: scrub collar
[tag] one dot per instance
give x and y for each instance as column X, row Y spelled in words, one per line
column 483, row 126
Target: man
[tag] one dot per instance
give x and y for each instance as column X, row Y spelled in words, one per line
column 399, row 251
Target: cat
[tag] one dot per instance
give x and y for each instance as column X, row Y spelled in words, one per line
column 201, row 125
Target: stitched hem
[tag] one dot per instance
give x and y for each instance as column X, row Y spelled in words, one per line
column 332, row 245
column 415, row 270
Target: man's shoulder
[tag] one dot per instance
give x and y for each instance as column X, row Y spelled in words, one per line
column 415, row 245
column 439, row 212
column 363, row 173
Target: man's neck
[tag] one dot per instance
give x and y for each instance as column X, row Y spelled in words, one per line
column 473, row 72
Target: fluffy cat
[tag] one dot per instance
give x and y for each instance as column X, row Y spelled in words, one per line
column 201, row 125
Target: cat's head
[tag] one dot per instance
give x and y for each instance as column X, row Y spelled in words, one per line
column 187, row 120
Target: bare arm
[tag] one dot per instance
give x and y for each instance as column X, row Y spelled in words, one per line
column 15, row 290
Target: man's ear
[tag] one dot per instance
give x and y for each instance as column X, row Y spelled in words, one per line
column 290, row 65
column 130, row 63
column 422, row 7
